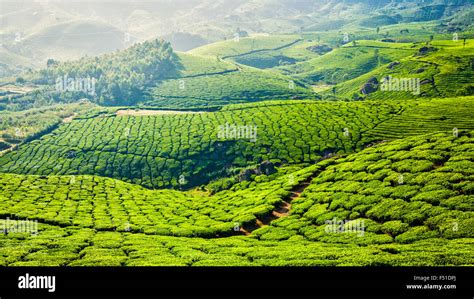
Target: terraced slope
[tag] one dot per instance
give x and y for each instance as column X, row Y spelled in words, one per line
column 156, row 151
column 398, row 192
column 451, row 114
column 425, row 218
column 152, row 74
column 111, row 205
column 349, row 61
column 444, row 70
column 212, row 90
column 245, row 45
column 72, row 246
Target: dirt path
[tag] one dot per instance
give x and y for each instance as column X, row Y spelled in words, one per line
column 264, row 50
column 207, row 74
column 283, row 210
column 69, row 118
column 11, row 148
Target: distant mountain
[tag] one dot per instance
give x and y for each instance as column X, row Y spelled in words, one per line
column 65, row 30
column 72, row 40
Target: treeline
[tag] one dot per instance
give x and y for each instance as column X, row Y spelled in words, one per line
column 113, row 79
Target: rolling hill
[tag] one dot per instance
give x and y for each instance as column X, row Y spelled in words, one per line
column 151, row 74
column 421, row 219
column 280, row 132
column 443, row 69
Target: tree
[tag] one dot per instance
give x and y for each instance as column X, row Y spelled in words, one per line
column 51, row 62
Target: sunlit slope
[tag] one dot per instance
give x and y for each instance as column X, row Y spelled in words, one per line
column 152, row 74
column 107, row 205
column 452, row 114
column 406, row 202
column 348, row 62
column 155, row 151
column 263, row 51
column 189, row 65
column 443, row 69
column 244, row 45
column 231, row 86
column 72, row 246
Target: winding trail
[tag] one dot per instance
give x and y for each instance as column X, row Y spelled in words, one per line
column 264, row 50
column 283, row 210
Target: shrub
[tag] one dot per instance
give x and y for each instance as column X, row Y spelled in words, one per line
column 394, row 228
column 434, row 197
column 415, row 234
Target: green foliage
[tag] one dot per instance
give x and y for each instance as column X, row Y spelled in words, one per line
column 416, row 233
column 348, row 62
column 445, row 72
column 345, row 204
column 120, row 78
column 394, row 228
column 407, row 202
column 242, row 86
column 156, row 151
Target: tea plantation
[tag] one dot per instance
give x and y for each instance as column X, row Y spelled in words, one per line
column 444, row 69
column 107, row 204
column 403, row 191
column 263, row 150
column 155, row 151
column 185, row 150
column 425, row 218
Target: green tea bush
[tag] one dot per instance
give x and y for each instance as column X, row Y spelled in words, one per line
column 394, row 228
column 415, row 234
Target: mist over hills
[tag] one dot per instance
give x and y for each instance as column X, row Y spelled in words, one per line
column 65, row 30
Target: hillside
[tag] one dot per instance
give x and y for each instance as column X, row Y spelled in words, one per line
column 349, row 61
column 121, row 225
column 67, row 30
column 443, row 69
column 72, row 40
column 151, row 74
column 189, row 144
column 403, row 191
column 215, row 90
column 243, row 45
